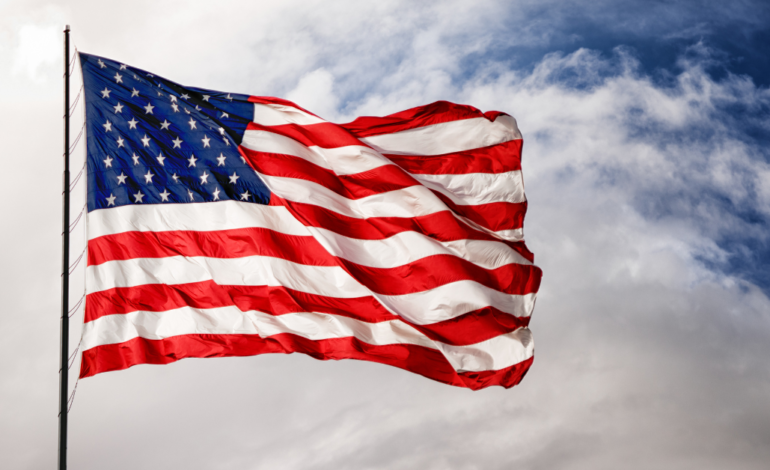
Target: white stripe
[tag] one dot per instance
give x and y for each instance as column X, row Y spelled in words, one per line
column 447, row 137
column 407, row 202
column 413, row 201
column 274, row 114
column 464, row 189
column 202, row 217
column 407, row 247
column 210, row 216
column 513, row 235
column 247, row 271
column 477, row 188
column 437, row 304
column 493, row 354
column 345, row 160
column 455, row 299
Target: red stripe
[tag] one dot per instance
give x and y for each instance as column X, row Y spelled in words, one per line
column 470, row 328
column 375, row 181
column 442, row 226
column 424, row 361
column 434, row 113
column 324, row 134
column 208, row 294
column 235, row 243
column 438, row 270
column 418, row 276
column 500, row 158
column 494, row 215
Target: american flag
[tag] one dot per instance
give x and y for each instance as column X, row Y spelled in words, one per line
column 222, row 224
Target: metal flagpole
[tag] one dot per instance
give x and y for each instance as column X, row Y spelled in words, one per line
column 65, row 278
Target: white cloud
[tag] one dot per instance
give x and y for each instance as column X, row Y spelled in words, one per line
column 37, row 51
column 647, row 355
column 315, row 91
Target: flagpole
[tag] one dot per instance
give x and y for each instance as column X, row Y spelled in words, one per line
column 65, row 278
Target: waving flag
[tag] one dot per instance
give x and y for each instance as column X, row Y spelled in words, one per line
column 222, row 224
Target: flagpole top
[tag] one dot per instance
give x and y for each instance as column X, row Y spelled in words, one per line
column 66, row 28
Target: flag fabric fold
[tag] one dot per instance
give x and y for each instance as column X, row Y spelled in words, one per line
column 222, row 224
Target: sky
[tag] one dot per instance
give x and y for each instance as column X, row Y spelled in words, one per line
column 647, row 168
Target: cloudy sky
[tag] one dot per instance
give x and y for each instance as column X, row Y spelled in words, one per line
column 646, row 127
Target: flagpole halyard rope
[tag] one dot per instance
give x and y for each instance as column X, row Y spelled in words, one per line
column 77, row 261
column 77, row 177
column 71, row 61
column 77, row 219
column 77, row 98
column 71, row 400
column 77, row 139
column 77, row 305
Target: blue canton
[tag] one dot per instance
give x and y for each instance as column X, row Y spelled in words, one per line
column 152, row 141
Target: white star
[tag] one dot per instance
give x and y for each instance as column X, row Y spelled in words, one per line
column 148, row 177
column 145, row 140
column 197, row 108
column 159, row 93
column 164, row 195
column 245, row 196
column 148, row 109
column 177, row 143
column 191, row 122
column 134, row 93
column 106, row 93
column 107, row 162
column 224, row 115
column 160, row 158
column 206, row 141
column 122, row 178
column 216, row 194
column 234, row 178
column 229, row 97
column 173, row 98
column 226, row 140
column 185, row 96
column 107, row 126
column 122, row 66
column 221, row 159
column 192, row 160
column 150, row 75
column 176, row 178
column 222, row 130
column 132, row 123
column 138, row 197
column 206, row 97
column 187, row 110
column 243, row 159
column 120, row 142
column 137, row 78
column 190, row 194
column 164, row 125
column 205, row 178
column 111, row 200
column 175, row 107
column 118, row 108
column 135, row 158
column 101, row 64
column 118, row 78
